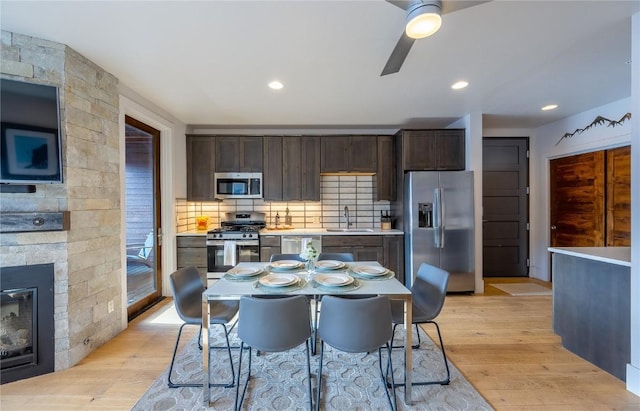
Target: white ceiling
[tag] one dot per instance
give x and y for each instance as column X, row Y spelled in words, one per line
column 208, row 62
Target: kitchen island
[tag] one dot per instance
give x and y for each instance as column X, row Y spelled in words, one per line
column 592, row 304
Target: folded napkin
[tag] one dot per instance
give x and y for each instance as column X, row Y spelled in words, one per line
column 229, row 253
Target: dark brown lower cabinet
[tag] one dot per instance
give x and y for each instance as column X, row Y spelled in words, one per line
column 192, row 250
column 388, row 250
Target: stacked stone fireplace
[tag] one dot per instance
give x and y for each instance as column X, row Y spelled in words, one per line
column 85, row 258
column 26, row 322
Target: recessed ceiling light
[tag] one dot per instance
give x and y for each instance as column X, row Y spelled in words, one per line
column 549, row 107
column 276, row 85
column 459, row 85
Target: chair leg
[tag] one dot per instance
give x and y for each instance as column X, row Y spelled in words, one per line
column 173, row 359
column 415, row 346
column 309, row 375
column 392, row 386
column 171, row 384
column 444, row 357
column 238, row 405
column 320, row 376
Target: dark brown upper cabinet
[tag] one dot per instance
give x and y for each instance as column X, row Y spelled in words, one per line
column 291, row 168
column 386, row 169
column 349, row 154
column 200, row 168
column 237, row 154
column 433, row 149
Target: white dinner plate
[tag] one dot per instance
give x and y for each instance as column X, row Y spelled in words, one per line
column 329, row 264
column 279, row 280
column 333, row 280
column 287, row 264
column 370, row 270
column 245, row 271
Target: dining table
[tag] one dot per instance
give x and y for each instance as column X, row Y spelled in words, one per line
column 276, row 278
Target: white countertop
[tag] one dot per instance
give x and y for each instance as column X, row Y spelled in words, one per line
column 323, row 231
column 612, row 255
column 306, row 231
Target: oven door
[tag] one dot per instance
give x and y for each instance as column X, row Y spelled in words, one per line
column 246, row 251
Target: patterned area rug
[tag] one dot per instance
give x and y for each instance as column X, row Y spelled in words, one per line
column 522, row 289
column 278, row 382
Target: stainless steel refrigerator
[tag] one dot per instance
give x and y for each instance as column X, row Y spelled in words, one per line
column 439, row 225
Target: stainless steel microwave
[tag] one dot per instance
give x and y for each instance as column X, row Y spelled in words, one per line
column 238, row 185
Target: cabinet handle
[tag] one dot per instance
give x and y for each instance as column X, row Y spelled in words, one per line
column 553, row 227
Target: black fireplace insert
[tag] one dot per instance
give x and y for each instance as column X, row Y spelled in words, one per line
column 26, row 322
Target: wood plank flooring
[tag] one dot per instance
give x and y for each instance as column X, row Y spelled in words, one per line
column 502, row 344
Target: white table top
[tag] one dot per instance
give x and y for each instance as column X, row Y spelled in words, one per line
column 229, row 289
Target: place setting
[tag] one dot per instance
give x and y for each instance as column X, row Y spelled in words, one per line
column 285, row 265
column 329, row 265
column 244, row 273
column 279, row 283
column 370, row 272
column 335, row 282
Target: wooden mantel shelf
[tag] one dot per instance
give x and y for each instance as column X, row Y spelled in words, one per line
column 17, row 222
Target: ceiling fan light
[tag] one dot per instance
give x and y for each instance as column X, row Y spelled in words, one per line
column 423, row 20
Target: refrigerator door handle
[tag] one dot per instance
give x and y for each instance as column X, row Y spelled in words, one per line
column 437, row 218
column 443, row 207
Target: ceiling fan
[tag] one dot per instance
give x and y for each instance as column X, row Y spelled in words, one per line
column 423, row 19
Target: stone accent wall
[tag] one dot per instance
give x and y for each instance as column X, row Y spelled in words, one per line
column 87, row 257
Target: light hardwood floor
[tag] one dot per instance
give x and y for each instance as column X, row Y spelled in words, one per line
column 502, row 344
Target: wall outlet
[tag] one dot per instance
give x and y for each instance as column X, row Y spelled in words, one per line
column 110, row 306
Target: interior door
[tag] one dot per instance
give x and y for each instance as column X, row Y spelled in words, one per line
column 505, row 180
column 142, row 202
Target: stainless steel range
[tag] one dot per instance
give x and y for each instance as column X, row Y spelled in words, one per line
column 235, row 241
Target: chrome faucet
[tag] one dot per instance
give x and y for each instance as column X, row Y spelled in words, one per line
column 346, row 216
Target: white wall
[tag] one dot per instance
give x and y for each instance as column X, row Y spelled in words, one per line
column 633, row 369
column 546, row 145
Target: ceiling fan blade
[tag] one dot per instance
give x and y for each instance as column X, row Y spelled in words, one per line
column 451, row 6
column 398, row 55
column 403, row 4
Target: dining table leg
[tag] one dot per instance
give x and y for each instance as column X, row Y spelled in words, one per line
column 407, row 350
column 206, row 393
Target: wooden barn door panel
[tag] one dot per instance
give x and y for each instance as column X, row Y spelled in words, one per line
column 578, row 200
column 619, row 197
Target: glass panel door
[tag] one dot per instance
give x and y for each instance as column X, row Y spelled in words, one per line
column 143, row 229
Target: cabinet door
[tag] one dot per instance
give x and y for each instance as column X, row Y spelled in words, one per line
column 334, row 154
column 227, row 154
column 369, row 254
column 450, row 149
column 292, row 164
column 251, row 154
column 238, row 154
column 386, row 169
column 272, row 172
column 200, row 168
column 418, row 150
column 192, row 251
column 394, row 255
column 363, row 154
column 310, row 168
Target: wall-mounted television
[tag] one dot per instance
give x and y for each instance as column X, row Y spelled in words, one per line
column 30, row 133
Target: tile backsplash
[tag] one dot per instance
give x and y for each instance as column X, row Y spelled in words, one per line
column 355, row 192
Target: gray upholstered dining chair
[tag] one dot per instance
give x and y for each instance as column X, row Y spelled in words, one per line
column 272, row 325
column 357, row 326
column 344, row 257
column 187, row 287
column 428, row 293
column 279, row 257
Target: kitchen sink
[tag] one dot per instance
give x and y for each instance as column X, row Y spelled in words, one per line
column 349, row 230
